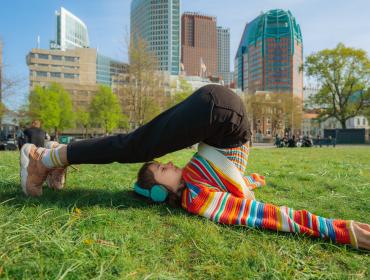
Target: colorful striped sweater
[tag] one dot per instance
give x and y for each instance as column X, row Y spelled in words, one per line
column 210, row 194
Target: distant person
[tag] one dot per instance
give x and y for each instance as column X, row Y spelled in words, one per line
column 277, row 141
column 334, row 141
column 318, row 139
column 328, row 141
column 35, row 135
column 292, row 142
column 19, row 134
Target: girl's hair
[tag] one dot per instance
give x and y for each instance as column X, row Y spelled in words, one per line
column 145, row 179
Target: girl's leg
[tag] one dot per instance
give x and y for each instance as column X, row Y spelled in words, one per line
column 212, row 114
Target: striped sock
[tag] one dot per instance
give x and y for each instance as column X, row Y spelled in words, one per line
column 51, row 158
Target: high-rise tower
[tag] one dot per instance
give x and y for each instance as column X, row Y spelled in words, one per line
column 158, row 23
column 270, row 55
column 223, row 54
column 199, row 44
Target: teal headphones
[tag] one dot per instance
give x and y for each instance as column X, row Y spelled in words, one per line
column 157, row 193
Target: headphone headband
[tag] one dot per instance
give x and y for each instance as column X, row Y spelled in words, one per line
column 157, row 193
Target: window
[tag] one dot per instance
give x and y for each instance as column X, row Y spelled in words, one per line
column 358, row 121
column 69, row 76
column 364, row 121
column 56, row 74
column 43, row 56
column 41, row 74
column 69, row 58
column 56, row 57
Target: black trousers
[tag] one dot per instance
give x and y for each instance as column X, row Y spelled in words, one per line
column 213, row 114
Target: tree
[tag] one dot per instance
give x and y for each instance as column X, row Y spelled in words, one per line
column 83, row 119
column 184, row 92
column 52, row 106
column 144, row 94
column 105, row 110
column 8, row 86
column 344, row 76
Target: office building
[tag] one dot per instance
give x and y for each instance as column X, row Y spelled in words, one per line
column 223, row 54
column 158, row 23
column 71, row 32
column 107, row 68
column 79, row 71
column 270, row 55
column 199, row 45
column 74, row 69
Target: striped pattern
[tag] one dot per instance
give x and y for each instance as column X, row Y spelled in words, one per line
column 209, row 194
column 238, row 155
column 54, row 157
column 51, row 157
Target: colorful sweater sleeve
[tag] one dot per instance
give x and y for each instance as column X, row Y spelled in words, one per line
column 225, row 208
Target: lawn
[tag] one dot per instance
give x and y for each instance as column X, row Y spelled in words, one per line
column 98, row 228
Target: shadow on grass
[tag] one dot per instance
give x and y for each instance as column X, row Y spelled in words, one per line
column 83, row 197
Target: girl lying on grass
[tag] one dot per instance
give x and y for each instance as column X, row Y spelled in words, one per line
column 212, row 184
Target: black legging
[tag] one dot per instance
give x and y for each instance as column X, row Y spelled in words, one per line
column 213, row 114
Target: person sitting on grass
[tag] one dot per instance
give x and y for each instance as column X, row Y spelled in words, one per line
column 212, row 184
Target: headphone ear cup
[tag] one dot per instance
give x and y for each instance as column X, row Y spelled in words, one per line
column 158, row 193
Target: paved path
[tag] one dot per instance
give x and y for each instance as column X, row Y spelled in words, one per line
column 270, row 145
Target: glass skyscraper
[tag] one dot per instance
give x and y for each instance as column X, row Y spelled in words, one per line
column 107, row 68
column 223, row 54
column 270, row 55
column 71, row 32
column 158, row 23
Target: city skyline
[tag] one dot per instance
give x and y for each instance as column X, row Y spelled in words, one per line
column 323, row 25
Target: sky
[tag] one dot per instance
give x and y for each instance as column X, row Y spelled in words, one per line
column 324, row 23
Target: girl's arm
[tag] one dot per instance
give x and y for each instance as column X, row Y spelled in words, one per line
column 224, row 208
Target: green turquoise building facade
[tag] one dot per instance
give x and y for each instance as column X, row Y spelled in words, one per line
column 270, row 55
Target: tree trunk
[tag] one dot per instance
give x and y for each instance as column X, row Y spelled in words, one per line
column 56, row 134
column 343, row 124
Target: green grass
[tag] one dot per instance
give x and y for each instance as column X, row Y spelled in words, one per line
column 98, row 228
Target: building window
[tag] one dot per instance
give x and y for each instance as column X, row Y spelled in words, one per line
column 364, row 121
column 43, row 56
column 358, row 121
column 56, row 57
column 69, row 58
column 69, row 76
column 41, row 74
column 56, row 74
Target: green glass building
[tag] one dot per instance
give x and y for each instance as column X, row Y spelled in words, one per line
column 158, row 23
column 270, row 55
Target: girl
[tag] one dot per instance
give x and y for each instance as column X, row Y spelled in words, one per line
column 212, row 183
